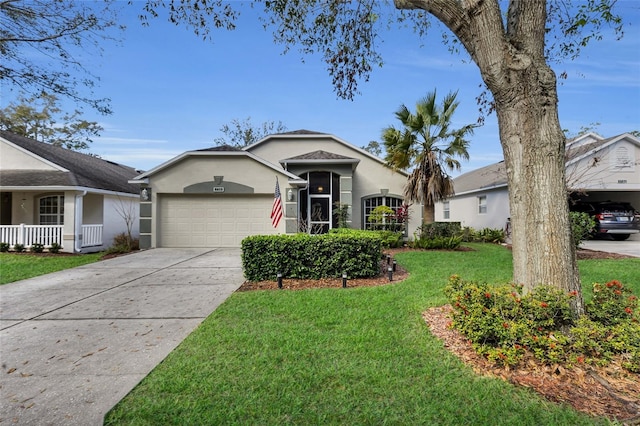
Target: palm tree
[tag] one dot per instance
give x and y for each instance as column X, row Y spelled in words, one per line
column 428, row 145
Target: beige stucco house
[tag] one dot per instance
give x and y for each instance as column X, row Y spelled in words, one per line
column 50, row 194
column 597, row 169
column 216, row 197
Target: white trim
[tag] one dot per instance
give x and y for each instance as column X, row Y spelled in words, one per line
column 483, row 189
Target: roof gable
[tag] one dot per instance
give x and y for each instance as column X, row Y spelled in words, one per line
column 308, row 136
column 495, row 175
column 73, row 168
column 215, row 152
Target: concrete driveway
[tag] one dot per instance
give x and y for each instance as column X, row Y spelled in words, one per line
column 73, row 343
column 630, row 247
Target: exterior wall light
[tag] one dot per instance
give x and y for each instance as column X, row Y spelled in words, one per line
column 290, row 195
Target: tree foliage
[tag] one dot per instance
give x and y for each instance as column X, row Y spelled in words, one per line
column 347, row 34
column 48, row 45
column 241, row 133
column 373, row 147
column 41, row 118
column 426, row 143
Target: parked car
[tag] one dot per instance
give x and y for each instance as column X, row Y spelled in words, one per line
column 617, row 219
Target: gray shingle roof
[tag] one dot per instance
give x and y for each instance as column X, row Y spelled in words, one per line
column 484, row 177
column 83, row 170
column 221, row 148
column 320, row 155
column 300, row 132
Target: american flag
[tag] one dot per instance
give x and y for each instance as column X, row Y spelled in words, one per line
column 276, row 209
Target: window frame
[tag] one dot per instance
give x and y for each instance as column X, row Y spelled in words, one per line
column 482, row 204
column 387, row 200
column 54, row 210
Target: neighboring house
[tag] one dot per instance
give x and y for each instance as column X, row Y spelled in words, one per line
column 218, row 196
column 52, row 195
column 598, row 169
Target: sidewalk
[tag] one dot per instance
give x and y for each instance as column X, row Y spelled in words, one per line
column 75, row 342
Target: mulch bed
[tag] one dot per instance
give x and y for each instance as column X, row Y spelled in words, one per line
column 610, row 391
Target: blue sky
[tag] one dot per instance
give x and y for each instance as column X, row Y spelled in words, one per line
column 171, row 91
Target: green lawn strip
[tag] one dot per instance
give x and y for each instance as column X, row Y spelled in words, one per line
column 15, row 267
column 338, row 356
column 627, row 271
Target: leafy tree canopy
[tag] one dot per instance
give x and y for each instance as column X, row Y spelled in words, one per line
column 373, row 147
column 41, row 118
column 241, row 133
column 48, row 45
column 347, row 34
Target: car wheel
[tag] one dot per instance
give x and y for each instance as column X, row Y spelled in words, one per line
column 620, row 237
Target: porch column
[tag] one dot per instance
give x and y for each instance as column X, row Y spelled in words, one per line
column 346, row 196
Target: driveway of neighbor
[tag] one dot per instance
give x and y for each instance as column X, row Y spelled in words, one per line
column 75, row 342
column 630, row 247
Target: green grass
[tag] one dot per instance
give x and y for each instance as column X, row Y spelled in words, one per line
column 354, row 356
column 15, row 267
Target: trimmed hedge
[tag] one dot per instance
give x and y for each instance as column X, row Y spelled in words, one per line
column 304, row 256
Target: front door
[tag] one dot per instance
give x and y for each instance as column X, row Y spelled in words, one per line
column 5, row 208
column 319, row 214
column 317, row 201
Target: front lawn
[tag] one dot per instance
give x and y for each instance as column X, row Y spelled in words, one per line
column 15, row 267
column 345, row 356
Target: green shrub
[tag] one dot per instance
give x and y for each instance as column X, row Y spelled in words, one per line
column 488, row 235
column 597, row 343
column 304, row 256
column 503, row 324
column 485, row 235
column 582, row 226
column 123, row 243
column 36, row 248
column 612, row 303
column 4, row 247
column 55, row 248
column 390, row 239
column 19, row 248
column 437, row 229
column 341, row 210
column 437, row 243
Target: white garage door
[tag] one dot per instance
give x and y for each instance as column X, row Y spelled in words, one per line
column 212, row 221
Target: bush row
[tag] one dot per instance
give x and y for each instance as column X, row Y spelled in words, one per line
column 449, row 235
column 34, row 248
column 356, row 253
column 504, row 324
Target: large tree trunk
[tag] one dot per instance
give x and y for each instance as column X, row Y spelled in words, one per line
column 510, row 56
column 534, row 147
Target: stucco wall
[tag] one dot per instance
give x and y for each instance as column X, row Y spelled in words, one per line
column 238, row 169
column 115, row 210
column 615, row 167
column 15, row 159
column 369, row 177
column 464, row 209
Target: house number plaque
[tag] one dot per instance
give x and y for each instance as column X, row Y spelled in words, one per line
column 218, row 189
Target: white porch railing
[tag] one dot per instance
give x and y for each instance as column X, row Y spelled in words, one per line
column 46, row 235
column 91, row 235
column 27, row 235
